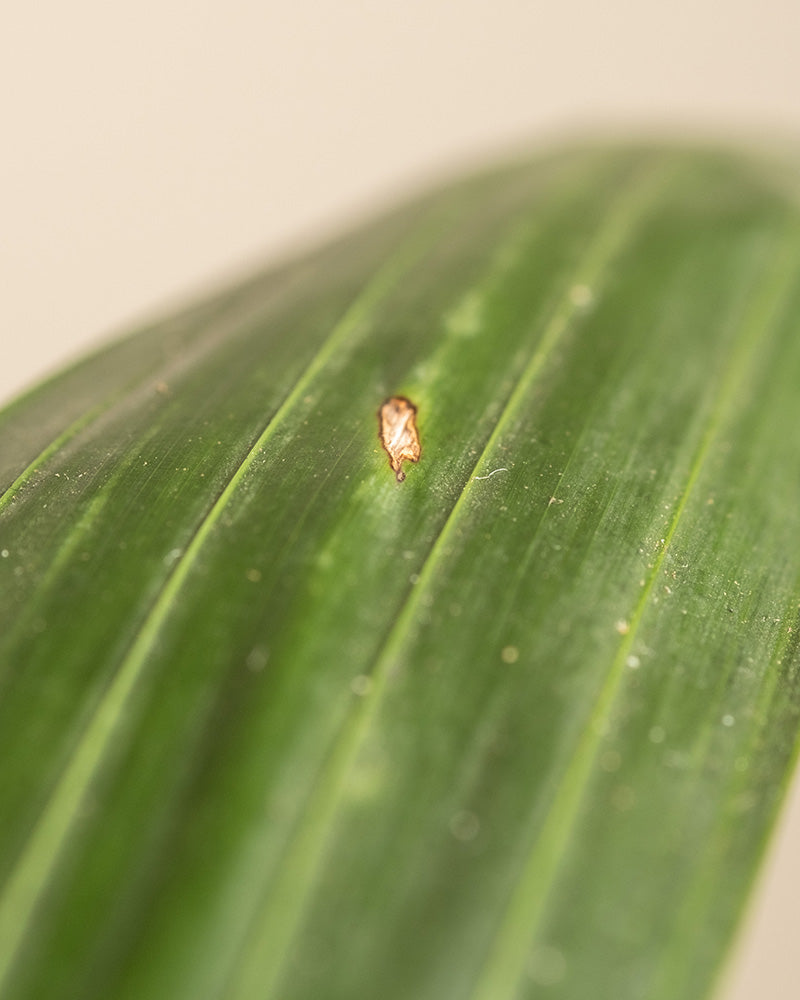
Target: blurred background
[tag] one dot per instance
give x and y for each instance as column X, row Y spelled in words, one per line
column 151, row 151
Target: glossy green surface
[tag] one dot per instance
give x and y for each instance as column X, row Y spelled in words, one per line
column 275, row 726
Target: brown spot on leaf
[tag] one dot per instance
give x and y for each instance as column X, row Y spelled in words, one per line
column 398, row 433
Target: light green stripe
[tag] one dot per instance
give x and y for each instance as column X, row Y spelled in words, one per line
column 72, row 431
column 260, row 971
column 505, row 964
column 49, row 838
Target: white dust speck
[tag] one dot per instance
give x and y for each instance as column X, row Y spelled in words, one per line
column 172, row 556
column 622, row 627
column 581, row 296
column 633, row 662
column 728, row 720
column 257, row 659
column 361, row 685
column 509, row 654
column 253, row 575
column 464, row 825
column 547, row 965
column 4, row 553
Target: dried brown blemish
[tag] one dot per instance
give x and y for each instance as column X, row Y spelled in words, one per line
column 398, row 433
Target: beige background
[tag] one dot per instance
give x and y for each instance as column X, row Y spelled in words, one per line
column 151, row 148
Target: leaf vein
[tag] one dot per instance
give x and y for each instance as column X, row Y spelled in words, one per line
column 282, row 913
column 505, row 963
column 61, row 813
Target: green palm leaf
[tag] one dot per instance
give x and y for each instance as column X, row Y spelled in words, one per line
column 276, row 725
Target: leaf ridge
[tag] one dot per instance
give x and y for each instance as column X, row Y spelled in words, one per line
column 282, row 915
column 36, row 463
column 504, row 966
column 61, row 813
column 162, row 372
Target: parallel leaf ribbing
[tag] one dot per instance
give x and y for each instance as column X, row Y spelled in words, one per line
column 41, row 857
column 283, row 910
column 276, row 725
